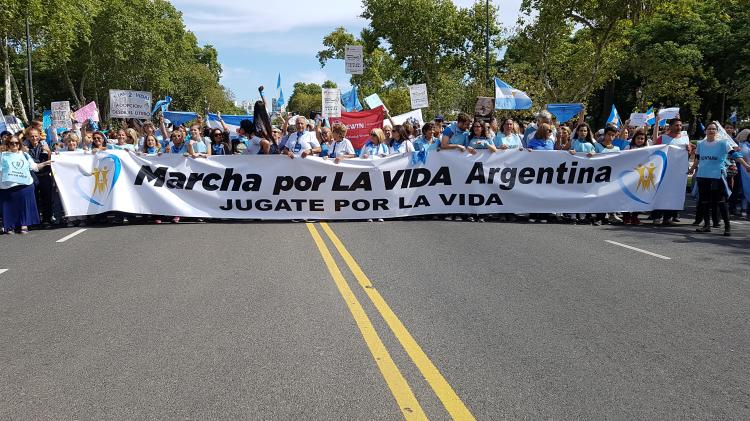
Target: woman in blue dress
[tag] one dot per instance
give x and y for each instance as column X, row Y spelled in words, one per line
column 17, row 199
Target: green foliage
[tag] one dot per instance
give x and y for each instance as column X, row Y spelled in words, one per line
column 307, row 97
column 84, row 48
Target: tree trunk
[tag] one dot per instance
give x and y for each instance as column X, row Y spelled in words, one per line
column 19, row 101
column 70, row 85
column 8, row 103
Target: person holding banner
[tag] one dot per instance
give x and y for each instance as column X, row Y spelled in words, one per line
column 543, row 117
column 151, row 146
column 197, row 147
column 507, row 137
column 219, row 143
column 301, row 143
column 639, row 141
column 427, row 141
column 607, row 144
column 583, row 141
column 541, row 140
column 400, row 141
column 44, row 187
column 479, row 139
column 709, row 168
column 122, row 142
column 376, row 146
column 98, row 142
column 456, row 135
column 17, row 198
column 672, row 136
column 341, row 148
column 563, row 142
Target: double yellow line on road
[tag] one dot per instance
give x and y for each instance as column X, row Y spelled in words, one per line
column 410, row 407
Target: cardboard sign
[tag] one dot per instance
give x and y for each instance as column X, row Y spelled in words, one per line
column 354, row 59
column 129, row 104
column 418, row 94
column 331, row 102
column 61, row 114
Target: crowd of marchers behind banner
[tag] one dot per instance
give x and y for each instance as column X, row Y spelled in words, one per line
column 29, row 198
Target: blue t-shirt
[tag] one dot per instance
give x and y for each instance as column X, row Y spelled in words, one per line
column 455, row 135
column 421, row 143
column 512, row 141
column 583, row 146
column 602, row 149
column 621, row 143
column 712, row 157
column 125, row 147
column 541, row 144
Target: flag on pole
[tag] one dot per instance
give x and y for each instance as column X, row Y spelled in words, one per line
column 564, row 112
column 701, row 126
column 351, row 100
column 651, row 116
column 614, row 117
column 509, row 98
column 733, row 118
column 280, row 100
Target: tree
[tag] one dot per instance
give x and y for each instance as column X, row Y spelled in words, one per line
column 307, row 98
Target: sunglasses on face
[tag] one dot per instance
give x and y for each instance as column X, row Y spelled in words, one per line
column 14, row 143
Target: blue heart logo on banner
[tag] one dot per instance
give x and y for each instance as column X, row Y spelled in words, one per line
column 642, row 183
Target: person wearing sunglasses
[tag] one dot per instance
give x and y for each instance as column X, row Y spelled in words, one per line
column 17, row 199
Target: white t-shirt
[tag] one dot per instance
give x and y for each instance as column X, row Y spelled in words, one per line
column 300, row 143
column 343, row 147
column 253, row 146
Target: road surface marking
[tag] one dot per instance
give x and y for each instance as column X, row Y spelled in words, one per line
column 3, row 271
column 407, row 402
column 638, row 250
column 439, row 385
column 739, row 222
column 69, row 236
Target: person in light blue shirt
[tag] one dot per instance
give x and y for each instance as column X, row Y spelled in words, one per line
column 427, row 141
column 622, row 140
column 121, row 144
column 507, row 138
column 710, row 171
column 456, row 135
column 545, row 117
column 376, row 147
column 478, row 138
column 607, row 145
column 583, row 140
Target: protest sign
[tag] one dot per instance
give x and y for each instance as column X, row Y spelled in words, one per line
column 668, row 113
column 129, row 104
column 411, row 115
column 354, row 59
column 359, row 124
column 88, row 111
column 61, row 114
column 484, row 107
column 638, row 119
column 373, row 101
column 13, row 124
column 448, row 182
column 331, row 106
column 418, row 95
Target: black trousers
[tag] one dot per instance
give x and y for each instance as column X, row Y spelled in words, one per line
column 44, row 190
column 712, row 196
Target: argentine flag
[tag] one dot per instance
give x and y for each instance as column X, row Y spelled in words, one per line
column 509, row 98
column 614, row 117
column 651, row 116
column 351, row 100
column 733, row 118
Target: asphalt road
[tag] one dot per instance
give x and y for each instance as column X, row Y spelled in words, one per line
column 445, row 319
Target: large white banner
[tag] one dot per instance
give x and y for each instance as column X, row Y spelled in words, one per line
column 129, row 104
column 277, row 187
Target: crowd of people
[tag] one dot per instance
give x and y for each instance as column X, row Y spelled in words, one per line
column 28, row 194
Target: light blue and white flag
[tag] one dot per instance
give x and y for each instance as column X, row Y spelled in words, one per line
column 351, row 100
column 733, row 118
column 614, row 117
column 179, row 117
column 162, row 104
column 651, row 116
column 509, row 98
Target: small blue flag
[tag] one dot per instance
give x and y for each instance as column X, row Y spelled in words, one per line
column 351, row 100
column 733, row 118
column 614, row 117
column 651, row 116
column 280, row 100
column 564, row 112
column 162, row 104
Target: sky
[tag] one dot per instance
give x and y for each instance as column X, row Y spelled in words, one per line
column 257, row 42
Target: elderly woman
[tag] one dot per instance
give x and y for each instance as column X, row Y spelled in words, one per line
column 376, row 146
column 341, row 148
column 17, row 199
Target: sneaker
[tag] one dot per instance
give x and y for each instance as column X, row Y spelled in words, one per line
column 157, row 221
column 470, row 219
column 125, row 220
column 675, row 219
column 369, row 220
column 176, row 219
column 381, row 220
column 613, row 218
column 480, row 220
column 25, row 230
column 448, row 218
column 595, row 223
column 703, row 229
column 458, row 218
